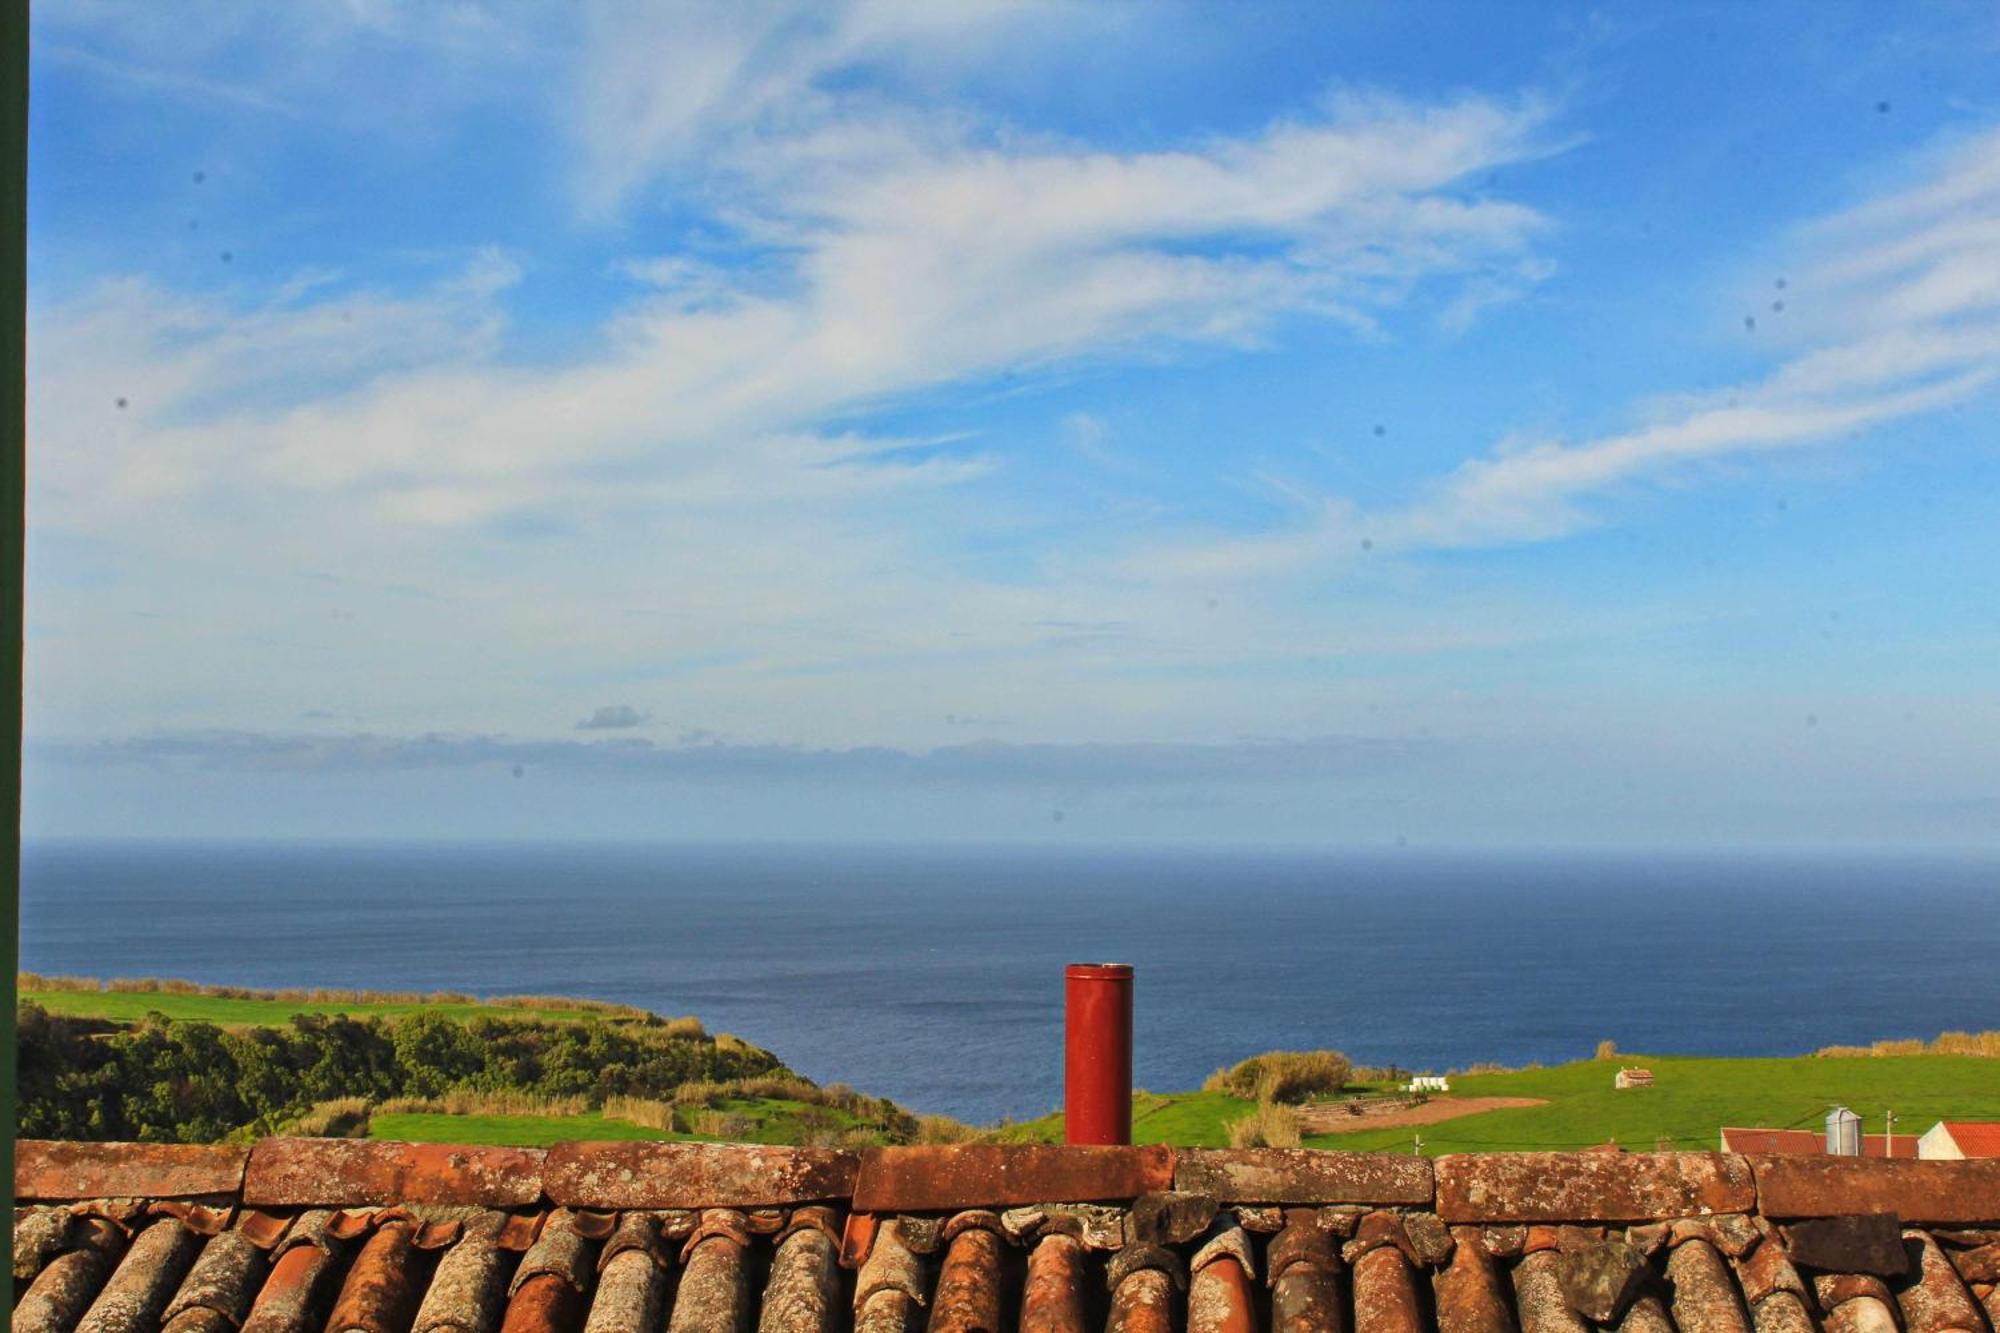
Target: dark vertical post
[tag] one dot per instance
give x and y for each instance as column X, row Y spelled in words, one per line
column 13, row 502
column 1097, row 1054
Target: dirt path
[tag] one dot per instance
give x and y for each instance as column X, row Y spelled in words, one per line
column 1333, row 1118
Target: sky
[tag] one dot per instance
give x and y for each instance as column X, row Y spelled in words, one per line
column 1360, row 425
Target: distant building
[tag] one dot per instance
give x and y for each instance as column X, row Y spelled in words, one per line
column 1954, row 1140
column 1428, row 1083
column 1736, row 1139
column 1633, row 1078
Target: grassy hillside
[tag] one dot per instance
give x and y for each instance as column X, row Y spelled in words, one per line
column 512, row 1131
column 131, row 1006
column 747, row 1120
column 1691, row 1100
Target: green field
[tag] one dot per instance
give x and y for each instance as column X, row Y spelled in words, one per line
column 759, row 1120
column 131, row 1006
column 512, row 1131
column 1691, row 1100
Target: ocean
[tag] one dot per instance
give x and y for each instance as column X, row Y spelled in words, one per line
column 934, row 975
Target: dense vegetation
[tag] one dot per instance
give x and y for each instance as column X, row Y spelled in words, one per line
column 161, row 1079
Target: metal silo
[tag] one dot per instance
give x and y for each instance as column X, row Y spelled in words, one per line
column 1843, row 1132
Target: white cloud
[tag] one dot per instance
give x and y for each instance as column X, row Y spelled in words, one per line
column 914, row 255
column 1898, row 315
column 705, row 516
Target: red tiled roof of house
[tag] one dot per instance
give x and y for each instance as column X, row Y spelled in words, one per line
column 718, row 1238
column 1735, row 1139
column 1975, row 1138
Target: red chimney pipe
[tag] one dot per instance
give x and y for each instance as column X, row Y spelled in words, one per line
column 1097, row 1053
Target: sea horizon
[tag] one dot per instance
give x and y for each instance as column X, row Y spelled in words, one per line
column 932, row 973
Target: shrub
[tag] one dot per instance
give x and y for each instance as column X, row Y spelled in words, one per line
column 1271, row 1125
column 687, row 1027
column 1607, row 1050
column 341, row 1118
column 721, row 1125
column 647, row 1111
column 944, row 1129
column 1283, row 1076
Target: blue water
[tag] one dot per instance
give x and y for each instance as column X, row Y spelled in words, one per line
column 935, row 976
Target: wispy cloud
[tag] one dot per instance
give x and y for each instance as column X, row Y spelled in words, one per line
column 1897, row 315
column 913, row 263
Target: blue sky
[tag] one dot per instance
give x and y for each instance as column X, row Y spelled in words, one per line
column 1305, row 423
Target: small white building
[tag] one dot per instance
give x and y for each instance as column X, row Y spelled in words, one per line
column 1632, row 1078
column 1428, row 1083
column 1956, row 1140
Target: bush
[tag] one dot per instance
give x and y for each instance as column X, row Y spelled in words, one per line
column 722, row 1125
column 647, row 1111
column 1271, row 1125
column 1283, row 1076
column 1607, row 1050
column 341, row 1118
column 944, row 1129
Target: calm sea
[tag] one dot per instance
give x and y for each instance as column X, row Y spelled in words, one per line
column 935, row 976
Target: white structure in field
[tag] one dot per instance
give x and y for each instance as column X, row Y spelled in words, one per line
column 1632, row 1078
column 1956, row 1140
column 1428, row 1083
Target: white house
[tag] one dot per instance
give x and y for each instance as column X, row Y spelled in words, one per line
column 1428, row 1083
column 1954, row 1140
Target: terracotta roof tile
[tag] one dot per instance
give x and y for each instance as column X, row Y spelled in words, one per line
column 1629, row 1243
column 221, row 1284
column 970, row 1286
column 1975, row 1138
column 1934, row 1192
column 1301, row 1175
column 1933, row 1300
column 144, row 1281
column 1053, row 1299
column 468, row 1290
column 999, row 1175
column 694, row 1175
column 803, row 1294
column 1736, row 1139
column 346, row 1172
column 1467, row 1291
column 714, row 1294
column 1557, row 1187
column 46, row 1169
